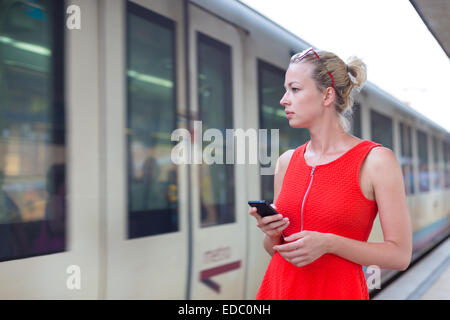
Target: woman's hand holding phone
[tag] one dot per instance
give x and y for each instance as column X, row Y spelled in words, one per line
column 272, row 226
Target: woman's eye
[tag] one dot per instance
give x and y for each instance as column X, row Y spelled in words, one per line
column 295, row 89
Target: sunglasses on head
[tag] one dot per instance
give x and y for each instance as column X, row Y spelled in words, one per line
column 308, row 51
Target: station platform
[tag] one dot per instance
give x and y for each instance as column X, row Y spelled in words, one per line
column 428, row 279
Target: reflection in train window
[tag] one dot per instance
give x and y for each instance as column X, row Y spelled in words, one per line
column 406, row 158
column 151, row 112
column 436, row 174
column 32, row 126
column 446, row 153
column 356, row 120
column 381, row 129
column 272, row 116
column 422, row 148
column 215, row 111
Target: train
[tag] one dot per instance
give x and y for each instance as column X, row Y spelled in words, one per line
column 92, row 204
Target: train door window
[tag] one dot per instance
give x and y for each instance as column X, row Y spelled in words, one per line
column 151, row 118
column 356, row 120
column 436, row 167
column 32, row 129
column 446, row 154
column 406, row 158
column 422, row 145
column 272, row 116
column 215, row 102
column 381, row 129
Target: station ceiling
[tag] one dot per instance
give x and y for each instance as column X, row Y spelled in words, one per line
column 436, row 16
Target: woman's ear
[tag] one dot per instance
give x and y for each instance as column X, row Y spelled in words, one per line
column 328, row 97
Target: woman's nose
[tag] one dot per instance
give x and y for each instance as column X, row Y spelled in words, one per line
column 284, row 101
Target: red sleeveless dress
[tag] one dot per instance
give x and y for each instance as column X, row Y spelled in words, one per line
column 326, row 198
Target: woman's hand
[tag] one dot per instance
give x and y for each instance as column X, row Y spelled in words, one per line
column 303, row 247
column 272, row 226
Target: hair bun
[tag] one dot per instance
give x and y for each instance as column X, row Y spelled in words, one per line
column 357, row 72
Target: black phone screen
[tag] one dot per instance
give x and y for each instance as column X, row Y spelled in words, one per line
column 263, row 207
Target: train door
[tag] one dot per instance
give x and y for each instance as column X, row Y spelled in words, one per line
column 49, row 151
column 218, row 189
column 146, row 235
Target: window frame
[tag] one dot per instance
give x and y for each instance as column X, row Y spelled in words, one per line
column 372, row 122
column 201, row 37
column 419, row 163
column 155, row 18
column 406, row 129
column 57, row 112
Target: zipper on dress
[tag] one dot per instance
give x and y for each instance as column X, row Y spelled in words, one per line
column 304, row 197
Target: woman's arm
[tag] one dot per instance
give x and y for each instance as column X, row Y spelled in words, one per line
column 394, row 252
column 280, row 170
column 269, row 243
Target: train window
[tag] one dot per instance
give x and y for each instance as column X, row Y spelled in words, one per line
column 381, row 129
column 436, row 167
column 446, row 153
column 356, row 120
column 32, row 129
column 215, row 102
column 151, row 118
column 422, row 146
column 272, row 116
column 406, row 159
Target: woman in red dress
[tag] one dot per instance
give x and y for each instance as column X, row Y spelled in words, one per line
column 329, row 190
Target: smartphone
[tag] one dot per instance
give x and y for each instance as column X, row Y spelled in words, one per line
column 263, row 207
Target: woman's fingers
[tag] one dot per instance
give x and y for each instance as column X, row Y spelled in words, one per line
column 272, row 225
column 272, row 218
column 280, row 229
column 271, row 222
column 254, row 212
column 276, row 224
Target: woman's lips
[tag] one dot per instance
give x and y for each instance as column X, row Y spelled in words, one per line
column 289, row 114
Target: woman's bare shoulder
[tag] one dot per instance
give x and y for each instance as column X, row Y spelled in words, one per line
column 286, row 156
column 381, row 161
column 283, row 162
column 280, row 170
column 380, row 155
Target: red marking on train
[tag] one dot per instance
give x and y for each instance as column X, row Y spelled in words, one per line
column 205, row 275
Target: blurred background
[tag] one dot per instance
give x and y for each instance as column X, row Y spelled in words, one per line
column 92, row 90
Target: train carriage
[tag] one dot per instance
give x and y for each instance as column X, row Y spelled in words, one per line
column 92, row 204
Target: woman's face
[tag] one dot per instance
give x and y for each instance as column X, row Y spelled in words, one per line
column 302, row 101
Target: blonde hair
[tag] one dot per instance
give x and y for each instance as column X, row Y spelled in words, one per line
column 349, row 78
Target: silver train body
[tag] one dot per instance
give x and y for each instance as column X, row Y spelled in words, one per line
column 135, row 225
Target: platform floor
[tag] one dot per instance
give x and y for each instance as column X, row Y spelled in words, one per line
column 429, row 279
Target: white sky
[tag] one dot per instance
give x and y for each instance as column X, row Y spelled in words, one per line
column 402, row 56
